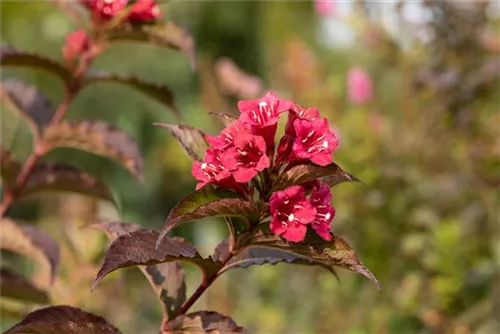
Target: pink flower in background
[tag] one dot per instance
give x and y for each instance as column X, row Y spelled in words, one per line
column 325, row 7
column 76, row 43
column 359, row 85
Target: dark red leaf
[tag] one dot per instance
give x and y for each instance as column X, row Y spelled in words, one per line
column 191, row 139
column 202, row 322
column 13, row 285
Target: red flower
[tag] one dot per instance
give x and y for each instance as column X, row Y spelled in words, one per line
column 247, row 157
column 76, row 43
column 291, row 212
column 211, row 170
column 299, row 112
column 321, row 198
column 105, row 8
column 314, row 141
column 227, row 135
column 144, row 10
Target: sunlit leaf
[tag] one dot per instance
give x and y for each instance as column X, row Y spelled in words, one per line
column 31, row 242
column 208, row 202
column 161, row 93
column 9, row 167
column 13, row 285
column 167, row 34
column 192, row 140
column 62, row 319
column 11, row 57
column 226, row 119
column 62, row 177
column 167, row 279
column 96, row 137
column 331, row 174
column 27, row 101
column 203, row 322
column 138, row 248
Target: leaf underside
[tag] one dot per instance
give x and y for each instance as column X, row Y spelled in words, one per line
column 203, row 322
column 13, row 285
column 191, row 139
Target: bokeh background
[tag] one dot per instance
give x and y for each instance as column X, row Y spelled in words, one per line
column 412, row 89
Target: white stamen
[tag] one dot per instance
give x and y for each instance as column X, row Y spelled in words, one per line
column 325, row 144
column 204, row 165
column 262, row 104
column 291, row 217
column 327, row 216
column 286, row 201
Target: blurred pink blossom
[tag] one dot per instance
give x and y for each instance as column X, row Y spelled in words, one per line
column 325, row 7
column 359, row 85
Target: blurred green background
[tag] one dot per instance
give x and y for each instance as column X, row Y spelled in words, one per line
column 426, row 145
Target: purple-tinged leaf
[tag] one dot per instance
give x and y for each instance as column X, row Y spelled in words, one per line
column 191, row 139
column 202, row 322
column 138, row 248
column 9, row 168
column 96, row 137
column 165, row 34
column 331, row 174
column 62, row 319
column 31, row 242
column 161, row 93
column 166, row 279
column 13, row 285
column 62, row 177
column 28, row 102
column 11, row 57
column 226, row 119
column 334, row 253
column 208, row 202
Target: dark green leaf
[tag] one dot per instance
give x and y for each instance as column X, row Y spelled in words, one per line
column 167, row 279
column 9, row 56
column 27, row 101
column 62, row 177
column 96, row 137
column 167, row 34
column 226, row 119
column 138, row 249
column 31, row 242
column 9, row 167
column 13, row 285
column 161, row 93
column 203, row 322
column 208, row 202
column 331, row 174
column 62, row 319
column 191, row 139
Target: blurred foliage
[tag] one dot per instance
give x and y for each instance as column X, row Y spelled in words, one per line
column 426, row 146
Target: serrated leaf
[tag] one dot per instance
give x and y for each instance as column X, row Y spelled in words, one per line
column 96, row 137
column 331, row 174
column 167, row 279
column 334, row 253
column 13, row 285
column 9, row 56
column 9, row 167
column 226, row 119
column 202, row 322
column 166, row 34
column 161, row 93
column 62, row 177
column 192, row 140
column 62, row 319
column 208, row 202
column 138, row 249
column 31, row 242
column 27, row 101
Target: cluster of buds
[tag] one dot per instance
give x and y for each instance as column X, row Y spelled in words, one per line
column 243, row 158
column 140, row 11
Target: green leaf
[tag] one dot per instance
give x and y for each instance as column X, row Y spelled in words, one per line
column 166, row 279
column 226, row 119
column 202, row 322
column 208, row 202
column 11, row 57
column 161, row 93
column 192, row 140
column 331, row 174
column 165, row 34
column 96, row 137
column 31, row 242
column 9, row 168
column 62, row 177
column 334, row 253
column 13, row 285
column 138, row 249
column 62, row 319
column 27, row 101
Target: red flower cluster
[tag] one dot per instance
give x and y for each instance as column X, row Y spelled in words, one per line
column 246, row 148
column 76, row 43
column 140, row 11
